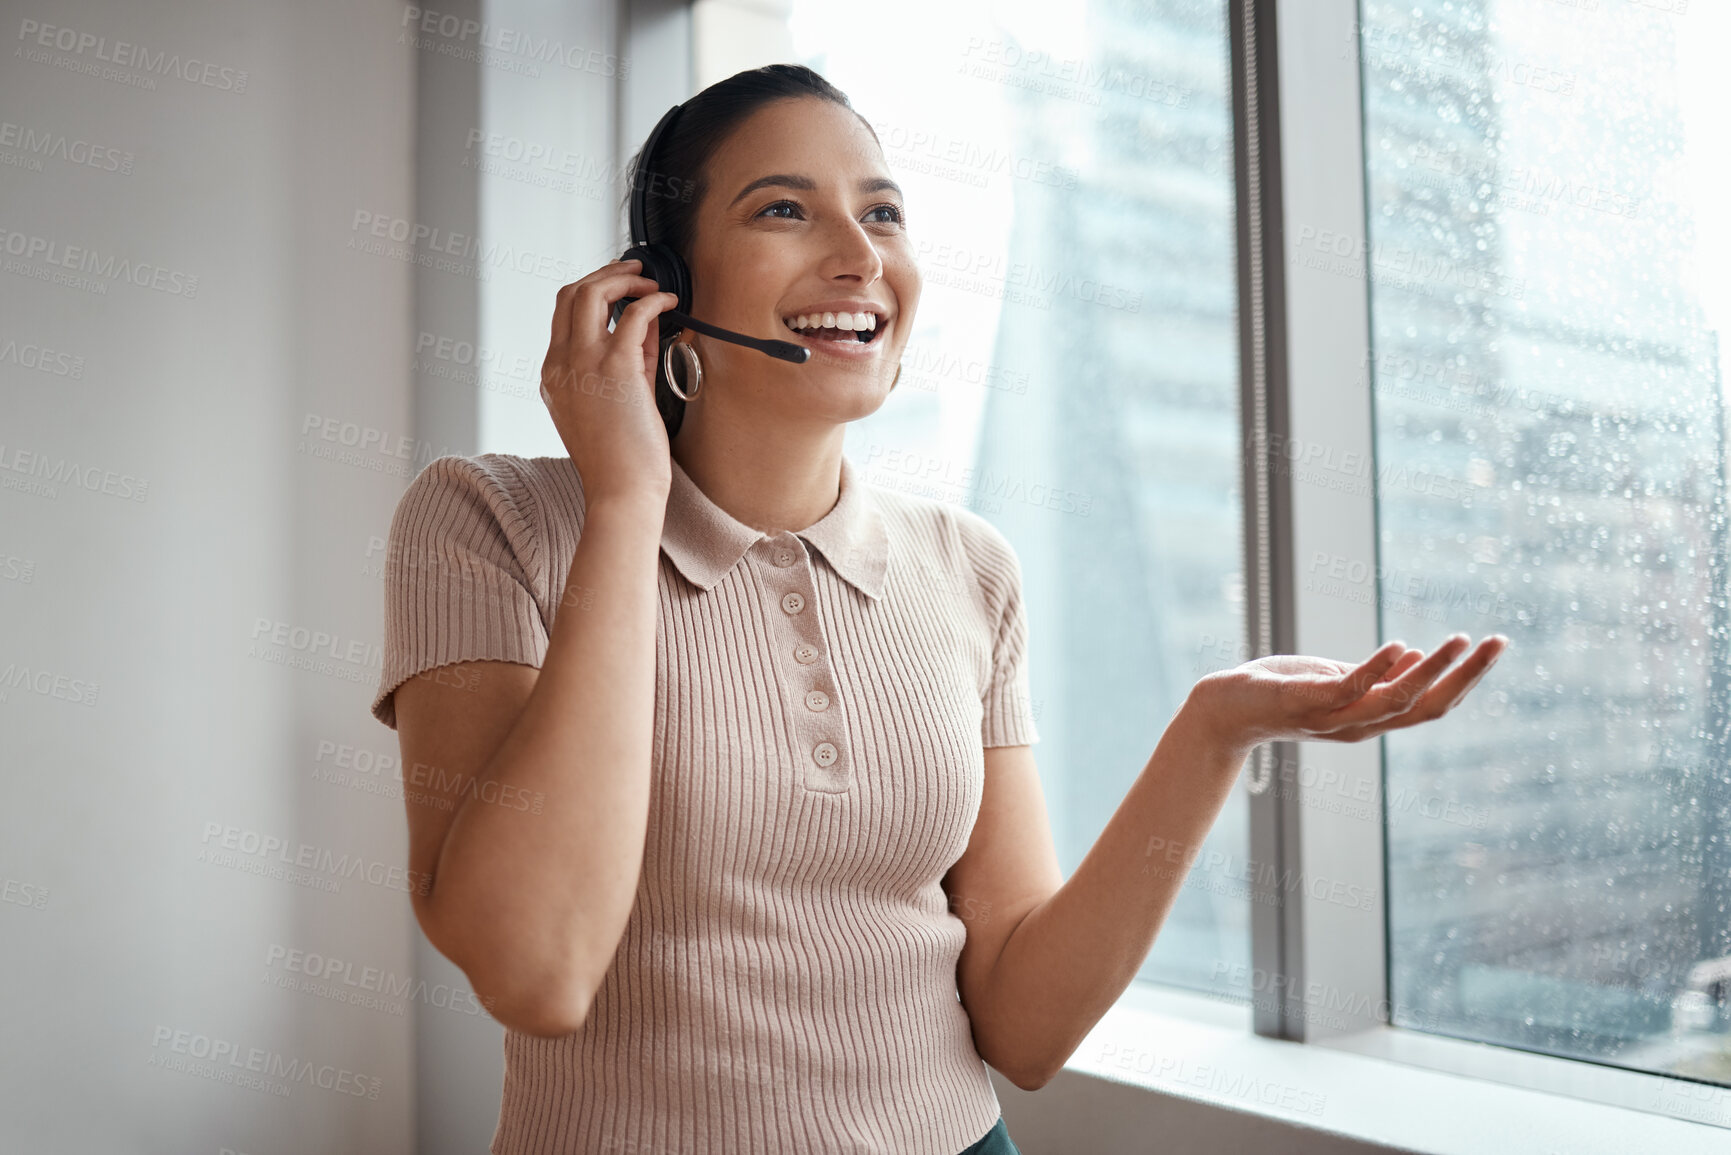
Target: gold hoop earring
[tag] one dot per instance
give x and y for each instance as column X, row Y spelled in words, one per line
column 693, row 369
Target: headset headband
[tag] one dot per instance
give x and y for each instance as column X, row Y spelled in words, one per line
column 639, row 194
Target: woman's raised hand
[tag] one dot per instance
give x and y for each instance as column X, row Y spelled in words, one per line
column 1297, row 698
column 599, row 385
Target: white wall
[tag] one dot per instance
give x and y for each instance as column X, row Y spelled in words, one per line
column 160, row 609
column 196, row 479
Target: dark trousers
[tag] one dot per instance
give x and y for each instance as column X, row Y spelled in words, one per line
column 994, row 1142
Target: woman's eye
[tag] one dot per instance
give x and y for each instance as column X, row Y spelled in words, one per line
column 774, row 210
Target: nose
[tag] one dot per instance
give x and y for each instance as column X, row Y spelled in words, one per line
column 852, row 253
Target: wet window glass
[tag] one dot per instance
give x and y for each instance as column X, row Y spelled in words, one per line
column 1072, row 376
column 1546, row 258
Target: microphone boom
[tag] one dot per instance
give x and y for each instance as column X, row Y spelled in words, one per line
column 781, row 350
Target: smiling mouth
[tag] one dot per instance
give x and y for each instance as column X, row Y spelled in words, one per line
column 865, row 330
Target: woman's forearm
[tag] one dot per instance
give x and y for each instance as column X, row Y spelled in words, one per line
column 1072, row 956
column 535, row 905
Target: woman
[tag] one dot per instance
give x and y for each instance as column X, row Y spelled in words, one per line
column 730, row 815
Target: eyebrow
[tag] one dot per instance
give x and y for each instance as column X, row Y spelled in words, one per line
column 805, row 183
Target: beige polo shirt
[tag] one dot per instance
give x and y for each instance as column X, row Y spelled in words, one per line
column 787, row 978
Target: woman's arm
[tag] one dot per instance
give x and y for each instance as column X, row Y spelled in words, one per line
column 531, row 904
column 1036, row 978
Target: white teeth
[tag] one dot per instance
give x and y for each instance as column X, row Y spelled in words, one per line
column 850, row 322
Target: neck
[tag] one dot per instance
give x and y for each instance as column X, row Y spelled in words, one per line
column 772, row 484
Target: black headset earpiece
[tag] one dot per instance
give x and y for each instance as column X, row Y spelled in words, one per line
column 660, row 263
column 667, row 268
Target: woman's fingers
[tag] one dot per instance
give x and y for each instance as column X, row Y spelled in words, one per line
column 633, row 327
column 1358, row 680
column 1406, row 690
column 1395, row 697
column 565, row 301
column 592, row 300
column 1436, row 701
column 1447, row 694
column 1407, row 661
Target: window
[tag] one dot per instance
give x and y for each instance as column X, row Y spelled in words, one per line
column 1489, row 389
column 1073, row 376
column 1547, row 293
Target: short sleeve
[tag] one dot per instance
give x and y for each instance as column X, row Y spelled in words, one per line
column 1008, row 710
column 459, row 574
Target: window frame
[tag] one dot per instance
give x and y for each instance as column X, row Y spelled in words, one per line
column 1306, row 387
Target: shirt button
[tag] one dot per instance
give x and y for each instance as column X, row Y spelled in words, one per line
column 817, row 700
column 792, row 602
column 785, row 557
column 824, row 753
column 805, row 653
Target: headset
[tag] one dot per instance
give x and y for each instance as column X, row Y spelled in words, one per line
column 668, row 269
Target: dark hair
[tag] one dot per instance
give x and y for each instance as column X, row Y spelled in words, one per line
column 682, row 158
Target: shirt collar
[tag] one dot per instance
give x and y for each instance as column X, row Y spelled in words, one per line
column 705, row 542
